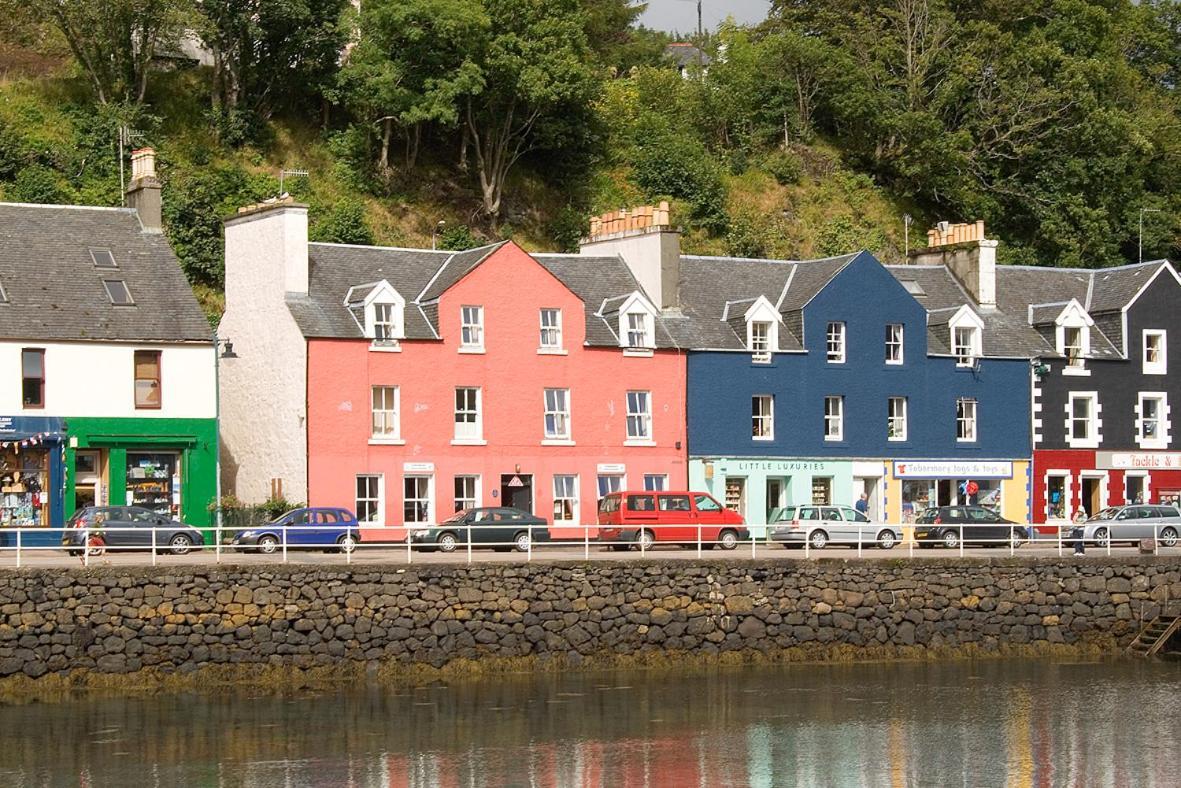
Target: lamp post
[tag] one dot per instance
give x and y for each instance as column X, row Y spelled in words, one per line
column 222, row 348
column 1140, row 237
column 435, row 232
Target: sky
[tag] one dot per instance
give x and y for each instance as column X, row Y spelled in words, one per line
column 681, row 15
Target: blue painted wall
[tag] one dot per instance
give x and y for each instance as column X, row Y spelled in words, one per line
column 865, row 296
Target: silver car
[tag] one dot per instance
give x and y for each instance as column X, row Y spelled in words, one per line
column 1132, row 523
column 823, row 525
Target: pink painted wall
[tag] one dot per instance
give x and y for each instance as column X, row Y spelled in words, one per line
column 512, row 288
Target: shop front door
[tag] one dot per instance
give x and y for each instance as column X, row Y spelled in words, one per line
column 516, row 490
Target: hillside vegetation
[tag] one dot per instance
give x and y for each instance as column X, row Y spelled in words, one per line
column 814, row 133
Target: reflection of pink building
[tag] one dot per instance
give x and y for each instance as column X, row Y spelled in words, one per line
column 437, row 380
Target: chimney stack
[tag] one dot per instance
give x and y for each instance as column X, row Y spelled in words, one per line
column 646, row 240
column 970, row 257
column 143, row 193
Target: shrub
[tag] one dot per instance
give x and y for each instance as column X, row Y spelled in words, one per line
column 459, row 237
column 785, row 167
column 343, row 223
column 37, row 183
column 673, row 164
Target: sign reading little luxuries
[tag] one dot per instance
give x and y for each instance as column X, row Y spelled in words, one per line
column 1149, row 460
column 953, row 469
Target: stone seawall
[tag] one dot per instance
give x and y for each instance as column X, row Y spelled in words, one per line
column 179, row 620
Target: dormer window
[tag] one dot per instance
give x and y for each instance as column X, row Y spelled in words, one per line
column 1074, row 337
column 637, row 330
column 636, row 323
column 762, row 330
column 965, row 341
column 380, row 312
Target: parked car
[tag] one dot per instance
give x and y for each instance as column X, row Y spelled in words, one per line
column 326, row 528
column 949, row 525
column 123, row 528
column 644, row 518
column 821, row 525
column 498, row 527
column 1130, row 524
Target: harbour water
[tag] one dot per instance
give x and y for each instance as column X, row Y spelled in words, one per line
column 933, row 724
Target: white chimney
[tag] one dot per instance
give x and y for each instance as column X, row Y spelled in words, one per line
column 647, row 242
column 144, row 190
column 267, row 249
column 969, row 256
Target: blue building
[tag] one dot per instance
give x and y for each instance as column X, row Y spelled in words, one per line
column 818, row 381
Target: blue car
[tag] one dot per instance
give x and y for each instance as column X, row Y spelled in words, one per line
column 315, row 527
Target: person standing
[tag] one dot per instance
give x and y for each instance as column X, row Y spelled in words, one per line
column 862, row 504
column 1080, row 529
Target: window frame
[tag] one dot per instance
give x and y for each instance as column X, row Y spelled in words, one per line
column 762, row 419
column 645, row 331
column 899, row 436
column 1075, row 353
column 107, row 283
column 762, row 347
column 458, row 495
column 429, row 516
column 834, row 416
column 640, row 418
column 572, row 499
column 471, row 332
column 472, row 413
column 660, row 479
column 897, row 343
column 158, row 380
column 967, row 425
column 557, row 345
column 394, row 434
column 835, row 341
column 968, row 359
column 385, row 327
column 26, row 403
column 1091, row 439
column 1161, row 366
column 376, row 503
column 561, row 412
column 1163, row 422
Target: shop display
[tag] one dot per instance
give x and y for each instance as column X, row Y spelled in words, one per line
column 153, row 483
column 24, row 498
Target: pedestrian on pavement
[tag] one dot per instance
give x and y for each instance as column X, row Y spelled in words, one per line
column 1080, row 520
column 862, row 504
column 907, row 509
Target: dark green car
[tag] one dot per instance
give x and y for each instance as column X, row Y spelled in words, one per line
column 498, row 527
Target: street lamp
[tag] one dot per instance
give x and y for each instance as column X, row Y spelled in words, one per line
column 1140, row 238
column 438, row 229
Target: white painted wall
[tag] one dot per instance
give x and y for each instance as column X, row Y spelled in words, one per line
column 91, row 379
column 264, row 390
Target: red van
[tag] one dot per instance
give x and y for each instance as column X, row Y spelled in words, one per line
column 646, row 517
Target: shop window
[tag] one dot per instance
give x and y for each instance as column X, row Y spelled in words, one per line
column 153, row 482
column 147, row 379
column 918, row 495
column 467, row 492
column 368, row 502
column 565, row 499
column 1057, row 497
column 1135, row 488
column 24, row 487
column 822, row 490
column 33, row 378
column 736, row 494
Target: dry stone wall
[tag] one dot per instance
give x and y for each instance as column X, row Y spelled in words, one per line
column 123, row 620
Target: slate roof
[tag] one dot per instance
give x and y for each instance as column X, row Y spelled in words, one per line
column 55, row 292
column 683, row 55
column 1029, row 299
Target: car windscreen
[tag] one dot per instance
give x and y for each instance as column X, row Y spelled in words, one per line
column 455, row 518
column 928, row 516
column 609, row 504
column 1107, row 514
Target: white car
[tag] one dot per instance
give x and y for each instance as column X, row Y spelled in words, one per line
column 825, row 525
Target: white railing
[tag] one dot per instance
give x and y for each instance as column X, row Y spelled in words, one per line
column 287, row 543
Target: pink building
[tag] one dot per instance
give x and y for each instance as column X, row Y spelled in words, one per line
column 415, row 383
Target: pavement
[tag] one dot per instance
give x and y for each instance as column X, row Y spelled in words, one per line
column 386, row 555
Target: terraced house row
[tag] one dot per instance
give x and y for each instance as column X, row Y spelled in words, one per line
column 409, row 383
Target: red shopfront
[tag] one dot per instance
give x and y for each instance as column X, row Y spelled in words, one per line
column 1065, row 481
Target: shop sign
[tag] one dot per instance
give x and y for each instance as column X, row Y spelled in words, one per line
column 418, row 467
column 777, row 466
column 1118, row 460
column 611, row 467
column 953, row 469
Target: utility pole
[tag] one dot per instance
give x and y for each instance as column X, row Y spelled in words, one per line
column 906, row 220
column 700, row 30
column 127, row 136
column 1140, row 237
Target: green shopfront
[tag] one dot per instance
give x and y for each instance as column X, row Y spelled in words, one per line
column 754, row 486
column 166, row 465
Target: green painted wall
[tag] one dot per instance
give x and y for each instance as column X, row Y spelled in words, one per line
column 194, row 439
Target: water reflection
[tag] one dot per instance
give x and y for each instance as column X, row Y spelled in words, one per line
column 990, row 723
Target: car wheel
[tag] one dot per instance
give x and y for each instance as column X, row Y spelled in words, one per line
column 1101, row 537
column 346, row 543
column 951, row 539
column 1015, row 539
column 646, row 539
column 818, row 539
column 180, row 544
column 1168, row 536
column 448, row 543
column 267, row 544
column 728, row 540
column 522, row 541
column 887, row 539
